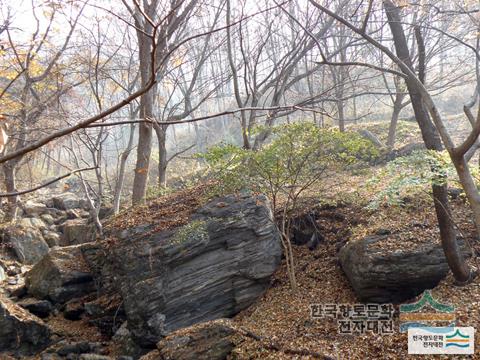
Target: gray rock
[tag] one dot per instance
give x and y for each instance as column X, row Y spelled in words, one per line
column 51, row 356
column 213, row 267
column 81, row 347
column 47, row 218
column 94, row 357
column 40, row 308
column 27, row 243
column 73, row 184
column 59, row 220
column 32, row 208
column 206, row 341
column 106, row 305
column 152, row 355
column 122, row 333
column 67, row 201
column 52, row 239
column 32, row 222
column 20, row 331
column 77, row 214
column 56, row 213
column 60, row 276
column 48, row 202
column 56, row 228
column 124, row 341
column 105, row 211
column 378, row 274
column 78, row 231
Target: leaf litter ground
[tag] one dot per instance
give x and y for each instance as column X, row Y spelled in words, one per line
column 284, row 316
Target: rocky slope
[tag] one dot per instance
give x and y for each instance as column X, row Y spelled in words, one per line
column 145, row 281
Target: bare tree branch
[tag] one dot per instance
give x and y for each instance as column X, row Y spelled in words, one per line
column 17, row 193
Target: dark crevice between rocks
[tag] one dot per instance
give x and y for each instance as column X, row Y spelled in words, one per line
column 315, row 224
column 305, row 230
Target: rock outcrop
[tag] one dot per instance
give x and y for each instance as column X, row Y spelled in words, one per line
column 157, row 280
column 21, row 332
column 26, row 242
column 60, row 220
column 382, row 275
column 60, row 276
column 213, row 267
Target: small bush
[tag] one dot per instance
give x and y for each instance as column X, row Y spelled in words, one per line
column 297, row 157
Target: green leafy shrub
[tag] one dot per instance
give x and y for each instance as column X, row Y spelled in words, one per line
column 297, row 157
column 410, row 175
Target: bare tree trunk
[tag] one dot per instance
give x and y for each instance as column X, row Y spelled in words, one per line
column 59, row 159
column 94, row 209
column 430, row 136
column 144, row 150
column 161, row 132
column 10, row 186
column 144, row 147
column 392, row 130
column 9, row 171
column 121, row 172
column 236, row 86
column 355, row 116
column 44, row 160
column 339, row 77
column 339, row 91
column 341, row 115
column 49, row 160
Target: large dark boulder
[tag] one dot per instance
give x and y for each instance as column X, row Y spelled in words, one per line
column 21, row 332
column 63, row 274
column 213, row 267
column 381, row 274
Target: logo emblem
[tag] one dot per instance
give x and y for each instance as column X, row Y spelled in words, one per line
column 441, row 340
column 425, row 310
column 458, row 340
